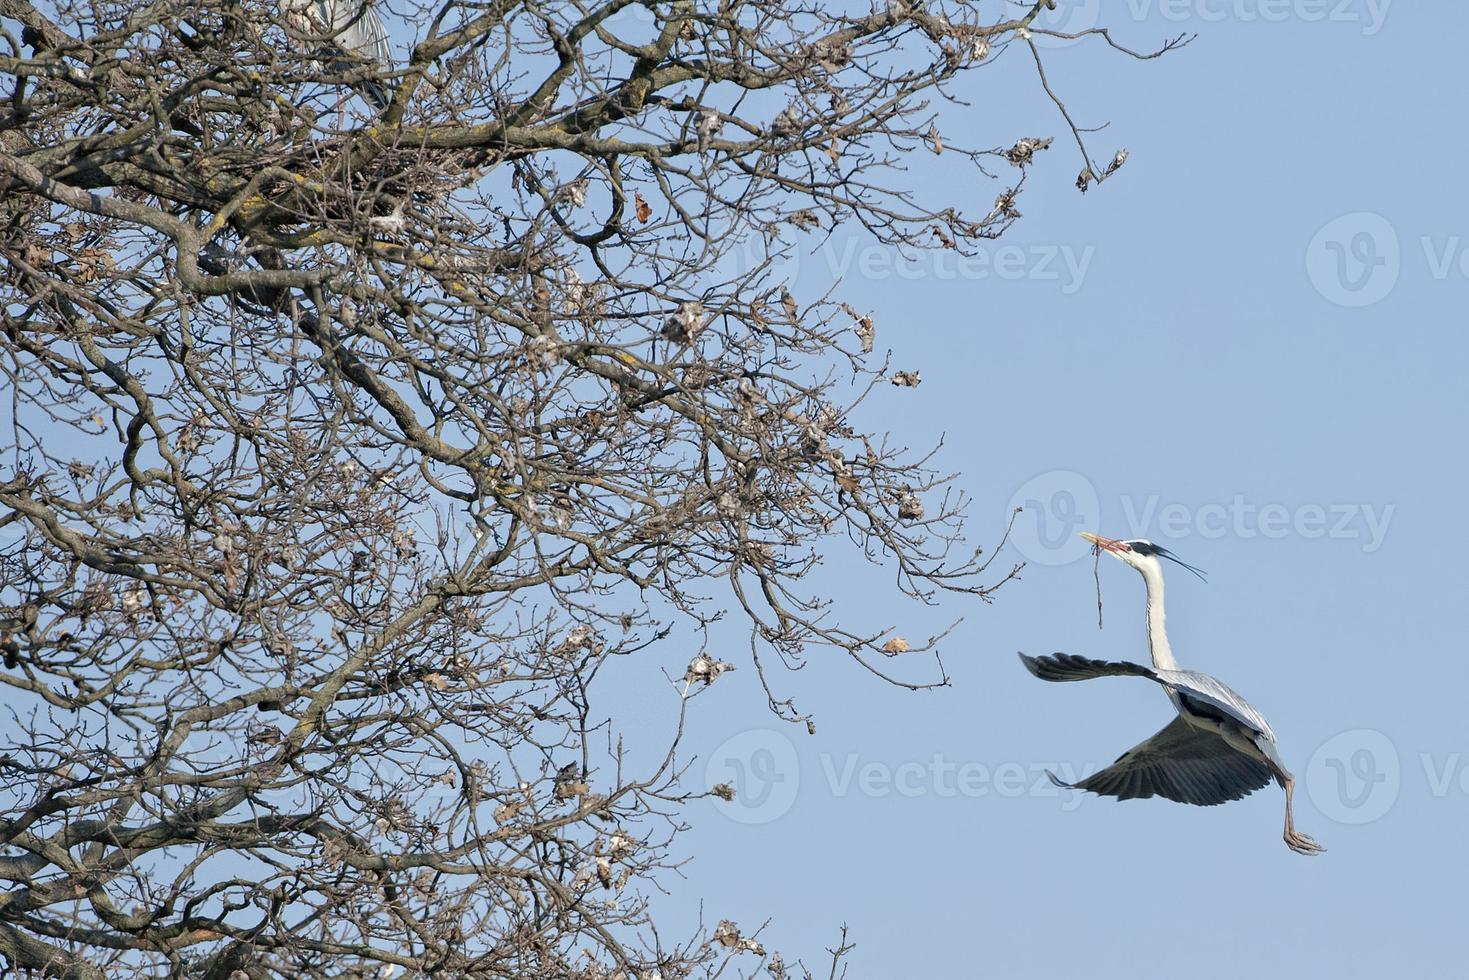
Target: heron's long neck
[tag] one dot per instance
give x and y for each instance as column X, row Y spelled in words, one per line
column 1157, row 634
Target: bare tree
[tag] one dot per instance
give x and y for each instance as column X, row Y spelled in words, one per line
column 359, row 413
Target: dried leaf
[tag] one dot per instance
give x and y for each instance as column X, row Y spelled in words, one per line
column 232, row 570
column 705, row 668
column 788, row 303
column 708, row 125
column 268, row 735
column 685, row 323
column 1024, row 150
column 566, row 789
column 866, row 332
column 727, row 934
column 895, row 646
column 787, row 123
column 641, row 208
column 804, row 219
column 575, row 192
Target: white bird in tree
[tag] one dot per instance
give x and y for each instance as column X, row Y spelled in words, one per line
column 1218, row 749
column 351, row 32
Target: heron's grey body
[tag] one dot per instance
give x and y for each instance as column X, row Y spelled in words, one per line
column 1218, row 749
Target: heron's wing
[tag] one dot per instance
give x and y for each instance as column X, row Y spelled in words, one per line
column 357, row 28
column 1209, row 693
column 1069, row 667
column 1180, row 763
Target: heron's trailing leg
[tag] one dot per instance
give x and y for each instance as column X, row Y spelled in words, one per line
column 1298, row 842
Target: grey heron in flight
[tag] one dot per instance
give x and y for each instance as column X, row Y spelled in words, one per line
column 353, row 34
column 1218, row 749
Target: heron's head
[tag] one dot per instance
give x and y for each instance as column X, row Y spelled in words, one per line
column 1139, row 553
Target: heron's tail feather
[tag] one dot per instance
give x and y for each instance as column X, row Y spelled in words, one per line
column 376, row 93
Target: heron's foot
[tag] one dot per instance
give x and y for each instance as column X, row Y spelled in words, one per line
column 1302, row 843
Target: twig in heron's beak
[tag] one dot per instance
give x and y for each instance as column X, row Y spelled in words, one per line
column 1097, row 574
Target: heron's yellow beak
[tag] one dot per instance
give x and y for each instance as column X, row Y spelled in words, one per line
column 1106, row 544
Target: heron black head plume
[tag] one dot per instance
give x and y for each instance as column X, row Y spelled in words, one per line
column 1148, row 548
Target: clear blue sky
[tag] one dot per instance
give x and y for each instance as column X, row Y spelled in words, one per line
column 1248, row 346
column 1215, row 364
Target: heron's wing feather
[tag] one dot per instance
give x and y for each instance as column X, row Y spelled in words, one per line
column 1214, row 693
column 365, row 35
column 1180, row 763
column 353, row 26
column 1069, row 667
column 357, row 37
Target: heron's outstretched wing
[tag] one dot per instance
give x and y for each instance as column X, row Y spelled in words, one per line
column 1069, row 667
column 1206, row 695
column 1180, row 763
